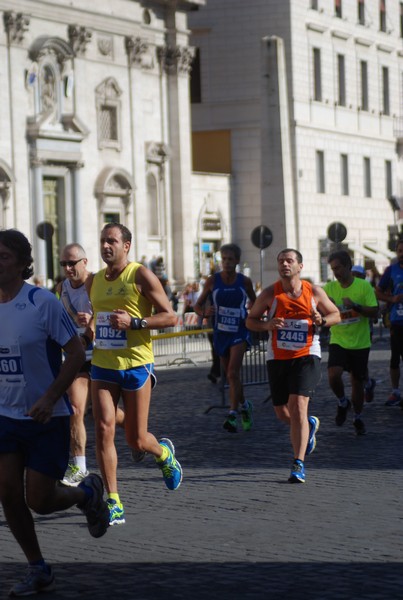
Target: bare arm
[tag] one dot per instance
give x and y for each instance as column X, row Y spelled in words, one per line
column 42, row 410
column 250, row 291
column 262, row 303
column 200, row 302
column 326, row 308
column 149, row 286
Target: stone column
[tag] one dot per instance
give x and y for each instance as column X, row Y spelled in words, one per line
column 39, row 246
column 77, row 204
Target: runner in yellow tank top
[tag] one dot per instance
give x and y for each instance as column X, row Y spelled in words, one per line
column 123, row 296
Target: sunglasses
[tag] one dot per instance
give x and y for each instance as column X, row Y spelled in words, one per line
column 69, row 263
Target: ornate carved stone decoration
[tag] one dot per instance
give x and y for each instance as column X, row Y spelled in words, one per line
column 138, row 52
column 176, row 59
column 79, row 38
column 15, row 25
column 156, row 152
column 105, row 46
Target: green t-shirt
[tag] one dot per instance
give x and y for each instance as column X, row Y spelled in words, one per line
column 353, row 331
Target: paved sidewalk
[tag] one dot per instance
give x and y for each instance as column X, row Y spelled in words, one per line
column 235, row 528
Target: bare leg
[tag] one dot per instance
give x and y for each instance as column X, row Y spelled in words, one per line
column 43, row 495
column 78, row 394
column 335, row 375
column 137, row 406
column 105, row 397
column 232, row 366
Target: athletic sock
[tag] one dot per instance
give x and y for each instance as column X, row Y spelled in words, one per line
column 164, row 455
column 115, row 496
column 80, row 462
column 343, row 401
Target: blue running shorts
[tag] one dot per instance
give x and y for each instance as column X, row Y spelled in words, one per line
column 45, row 446
column 127, row 379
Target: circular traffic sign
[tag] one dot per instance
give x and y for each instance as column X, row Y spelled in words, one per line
column 45, row 230
column 336, row 232
column 261, row 237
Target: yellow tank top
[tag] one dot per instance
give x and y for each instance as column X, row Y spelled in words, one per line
column 117, row 349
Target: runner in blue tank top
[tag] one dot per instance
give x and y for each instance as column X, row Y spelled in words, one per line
column 229, row 292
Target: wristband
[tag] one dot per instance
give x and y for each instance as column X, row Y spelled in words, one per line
column 323, row 324
column 357, row 307
column 136, row 323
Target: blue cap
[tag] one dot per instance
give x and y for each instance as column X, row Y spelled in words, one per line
column 358, row 269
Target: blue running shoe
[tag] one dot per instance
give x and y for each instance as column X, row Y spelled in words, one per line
column 170, row 467
column 116, row 513
column 313, row 428
column 36, row 580
column 297, row 474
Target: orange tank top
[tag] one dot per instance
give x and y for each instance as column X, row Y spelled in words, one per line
column 299, row 336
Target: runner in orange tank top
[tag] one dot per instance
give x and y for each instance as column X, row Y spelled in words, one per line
column 291, row 310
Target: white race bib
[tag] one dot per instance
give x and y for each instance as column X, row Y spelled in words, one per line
column 11, row 372
column 107, row 338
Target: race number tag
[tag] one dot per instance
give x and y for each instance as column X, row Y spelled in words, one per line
column 11, row 373
column 399, row 310
column 228, row 319
column 294, row 334
column 107, row 338
column 348, row 316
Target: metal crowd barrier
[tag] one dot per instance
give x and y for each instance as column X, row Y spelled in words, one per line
column 254, row 369
column 178, row 346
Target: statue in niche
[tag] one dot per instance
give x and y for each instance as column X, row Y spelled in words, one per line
column 48, row 89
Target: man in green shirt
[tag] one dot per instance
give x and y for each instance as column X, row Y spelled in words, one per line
column 350, row 340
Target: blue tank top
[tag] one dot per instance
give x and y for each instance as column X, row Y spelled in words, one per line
column 392, row 280
column 230, row 305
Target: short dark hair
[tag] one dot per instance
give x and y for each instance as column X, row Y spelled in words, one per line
column 234, row 248
column 296, row 252
column 16, row 241
column 342, row 256
column 126, row 234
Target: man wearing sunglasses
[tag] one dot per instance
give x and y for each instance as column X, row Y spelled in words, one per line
column 73, row 294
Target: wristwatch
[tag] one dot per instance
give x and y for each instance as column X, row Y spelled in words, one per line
column 143, row 324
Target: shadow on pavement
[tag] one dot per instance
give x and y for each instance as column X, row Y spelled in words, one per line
column 232, row 581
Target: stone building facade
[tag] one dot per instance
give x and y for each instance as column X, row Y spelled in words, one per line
column 95, row 127
column 305, row 98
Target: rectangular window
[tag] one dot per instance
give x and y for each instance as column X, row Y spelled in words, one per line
column 367, row 177
column 108, row 123
column 388, row 178
column 385, row 91
column 320, row 172
column 401, row 19
column 341, row 72
column 314, row 4
column 361, row 12
column 195, row 79
column 338, row 8
column 317, row 75
column 364, row 85
column 382, row 15
column 344, row 174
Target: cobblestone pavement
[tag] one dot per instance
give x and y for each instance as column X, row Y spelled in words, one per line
column 235, row 528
